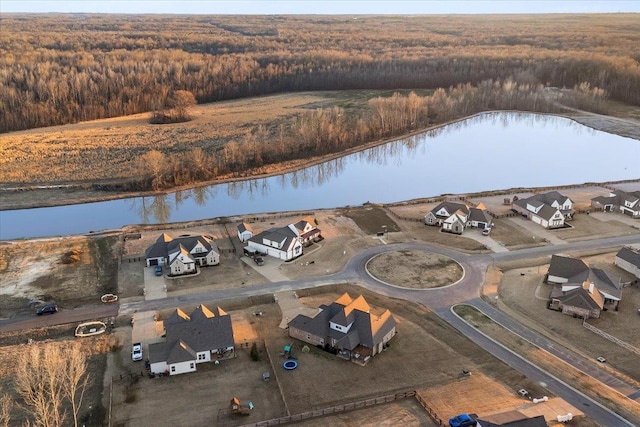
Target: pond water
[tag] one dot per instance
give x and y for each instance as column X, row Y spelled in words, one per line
column 489, row 151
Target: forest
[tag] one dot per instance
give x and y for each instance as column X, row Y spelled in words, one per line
column 65, row 68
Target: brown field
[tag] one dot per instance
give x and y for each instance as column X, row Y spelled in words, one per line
column 110, row 149
column 415, row 269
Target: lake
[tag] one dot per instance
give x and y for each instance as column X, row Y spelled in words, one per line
column 489, row 151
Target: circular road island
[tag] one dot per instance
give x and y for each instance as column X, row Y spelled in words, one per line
column 415, row 269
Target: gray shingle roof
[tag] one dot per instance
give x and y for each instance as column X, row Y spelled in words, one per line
column 604, row 283
column 537, row 421
column 165, row 245
column 199, row 332
column 575, row 270
column 629, row 255
column 451, row 208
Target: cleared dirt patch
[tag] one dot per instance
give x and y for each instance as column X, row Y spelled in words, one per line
column 372, row 219
column 415, row 269
column 69, row 271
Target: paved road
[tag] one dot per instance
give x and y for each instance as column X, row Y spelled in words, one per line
column 62, row 317
column 439, row 300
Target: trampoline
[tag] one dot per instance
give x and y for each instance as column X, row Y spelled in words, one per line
column 290, row 365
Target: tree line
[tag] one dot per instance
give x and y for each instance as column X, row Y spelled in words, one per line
column 57, row 69
column 333, row 130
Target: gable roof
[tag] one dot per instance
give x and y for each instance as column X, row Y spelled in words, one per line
column 545, row 200
column 629, row 255
column 568, row 268
column 582, row 297
column 619, row 198
column 480, row 215
column 186, row 335
column 285, row 237
column 451, row 208
column 166, row 245
column 367, row 329
column 605, row 284
column 242, row 227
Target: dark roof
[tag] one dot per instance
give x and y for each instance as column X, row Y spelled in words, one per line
column 629, row 255
column 547, row 212
column 284, row 235
column 543, row 198
column 537, row 421
column 479, row 215
column 203, row 330
column 568, row 268
column 451, row 208
column 366, row 330
column 165, row 245
column 604, row 283
column 581, row 298
column 244, row 227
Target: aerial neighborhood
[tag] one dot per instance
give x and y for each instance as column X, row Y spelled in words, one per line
column 259, row 214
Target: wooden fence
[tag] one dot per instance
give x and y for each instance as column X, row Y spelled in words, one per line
column 429, row 410
column 611, row 338
column 360, row 404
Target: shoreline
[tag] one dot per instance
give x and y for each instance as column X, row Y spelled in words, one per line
column 63, row 194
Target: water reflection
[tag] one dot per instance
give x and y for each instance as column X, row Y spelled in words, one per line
column 485, row 152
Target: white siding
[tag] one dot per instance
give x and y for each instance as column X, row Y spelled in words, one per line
column 159, row 367
column 203, row 356
column 182, row 367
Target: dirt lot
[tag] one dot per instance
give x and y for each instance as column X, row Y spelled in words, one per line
column 415, row 269
column 71, row 272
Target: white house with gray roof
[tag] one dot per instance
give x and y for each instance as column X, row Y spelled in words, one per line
column 619, row 201
column 183, row 254
column 283, row 243
column 628, row 259
column 245, row 232
column 203, row 336
column 550, row 210
column 455, row 217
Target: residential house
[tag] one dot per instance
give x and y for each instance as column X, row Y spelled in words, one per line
column 444, row 210
column 307, row 230
column 245, row 232
column 456, row 217
column 202, row 336
column 183, row 254
column 628, row 259
column 347, row 327
column 550, row 210
column 584, row 301
column 284, row 243
column 581, row 290
column 621, row 201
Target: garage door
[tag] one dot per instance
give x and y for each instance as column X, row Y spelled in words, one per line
column 153, row 262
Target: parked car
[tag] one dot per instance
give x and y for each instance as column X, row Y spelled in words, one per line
column 136, row 352
column 158, row 270
column 462, row 420
column 486, row 231
column 47, row 309
column 258, row 260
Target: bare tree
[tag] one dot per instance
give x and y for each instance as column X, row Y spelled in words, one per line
column 48, row 375
column 181, row 101
column 154, row 165
column 75, row 379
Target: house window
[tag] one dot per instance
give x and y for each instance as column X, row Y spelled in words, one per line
column 191, row 365
column 173, row 369
column 201, row 357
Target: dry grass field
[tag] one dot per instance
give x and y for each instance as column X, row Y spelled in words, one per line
column 415, row 269
column 110, row 149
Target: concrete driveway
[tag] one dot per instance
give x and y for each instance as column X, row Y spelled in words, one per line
column 491, row 244
column 154, row 286
column 609, row 216
column 270, row 269
column 537, row 231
